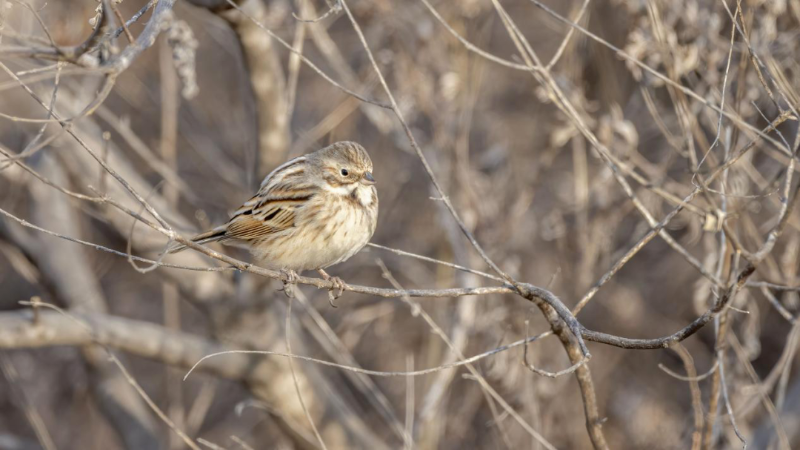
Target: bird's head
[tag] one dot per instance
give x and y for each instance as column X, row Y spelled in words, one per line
column 344, row 164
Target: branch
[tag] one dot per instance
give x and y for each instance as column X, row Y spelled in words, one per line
column 667, row 341
column 148, row 340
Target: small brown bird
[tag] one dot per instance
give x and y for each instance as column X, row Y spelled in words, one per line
column 310, row 213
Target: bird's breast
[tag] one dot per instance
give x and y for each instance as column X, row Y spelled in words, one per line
column 350, row 226
column 330, row 228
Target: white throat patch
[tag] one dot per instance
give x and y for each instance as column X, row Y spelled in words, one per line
column 358, row 191
column 364, row 194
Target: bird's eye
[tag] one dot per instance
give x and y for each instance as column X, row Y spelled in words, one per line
column 345, row 172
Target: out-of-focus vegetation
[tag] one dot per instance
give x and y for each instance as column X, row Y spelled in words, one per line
column 560, row 148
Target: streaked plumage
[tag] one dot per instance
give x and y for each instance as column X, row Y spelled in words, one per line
column 311, row 212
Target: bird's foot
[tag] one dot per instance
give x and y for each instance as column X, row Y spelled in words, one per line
column 336, row 290
column 289, row 280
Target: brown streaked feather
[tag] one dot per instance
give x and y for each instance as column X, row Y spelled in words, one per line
column 275, row 216
column 248, row 227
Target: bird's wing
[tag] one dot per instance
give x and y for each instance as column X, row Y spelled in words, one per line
column 272, row 215
column 283, row 193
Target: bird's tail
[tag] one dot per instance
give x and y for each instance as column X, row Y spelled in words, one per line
column 213, row 235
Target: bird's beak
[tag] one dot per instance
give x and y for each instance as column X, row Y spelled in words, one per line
column 367, row 179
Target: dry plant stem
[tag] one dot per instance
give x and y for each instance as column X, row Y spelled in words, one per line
column 713, row 400
column 594, row 421
column 34, row 418
column 694, row 378
column 198, row 411
column 563, row 46
column 689, row 124
column 288, row 328
column 722, row 99
column 408, row 373
column 210, row 444
column 156, row 24
column 45, row 73
column 462, row 321
column 541, row 372
column 762, row 392
column 721, row 347
column 728, row 407
column 472, row 47
column 436, row 261
column 773, row 286
column 719, row 385
column 408, row 435
column 784, row 361
column 121, row 19
column 332, row 52
column 38, row 19
column 334, row 7
column 94, row 199
column 777, row 305
column 694, row 389
column 134, row 18
column 294, row 63
column 241, row 443
column 29, row 149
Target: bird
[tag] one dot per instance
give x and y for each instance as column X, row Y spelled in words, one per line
column 311, row 212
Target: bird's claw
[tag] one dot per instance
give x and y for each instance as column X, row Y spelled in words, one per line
column 335, row 291
column 338, row 287
column 289, row 282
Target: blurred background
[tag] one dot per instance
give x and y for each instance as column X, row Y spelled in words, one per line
column 195, row 121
